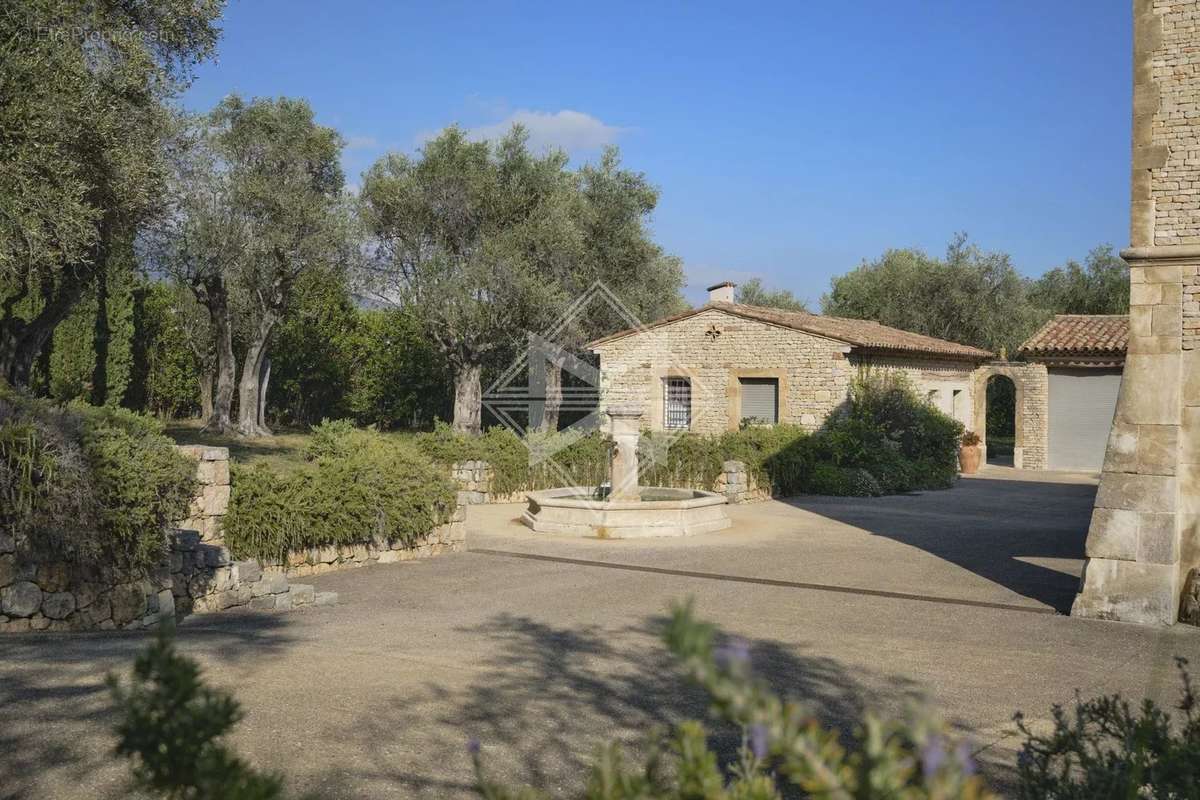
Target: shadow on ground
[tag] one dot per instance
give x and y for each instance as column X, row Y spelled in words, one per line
column 53, row 696
column 551, row 696
column 987, row 526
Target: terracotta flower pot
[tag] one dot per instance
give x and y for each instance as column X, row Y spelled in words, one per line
column 969, row 458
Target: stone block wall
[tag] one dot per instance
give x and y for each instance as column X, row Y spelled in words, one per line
column 211, row 503
column 1032, row 410
column 1166, row 152
column 948, row 383
column 1145, row 531
column 714, row 349
column 738, row 484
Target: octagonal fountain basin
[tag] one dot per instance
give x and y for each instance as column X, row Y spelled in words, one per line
column 660, row 512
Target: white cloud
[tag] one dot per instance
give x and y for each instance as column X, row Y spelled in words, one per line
column 570, row 130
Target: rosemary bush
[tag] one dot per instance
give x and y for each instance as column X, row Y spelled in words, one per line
column 96, row 486
column 358, row 487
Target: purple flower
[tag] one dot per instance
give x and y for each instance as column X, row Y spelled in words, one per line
column 473, row 746
column 759, row 740
column 735, row 653
column 965, row 762
column 933, row 756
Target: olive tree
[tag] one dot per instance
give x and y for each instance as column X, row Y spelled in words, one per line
column 85, row 88
column 468, row 235
column 612, row 211
column 286, row 182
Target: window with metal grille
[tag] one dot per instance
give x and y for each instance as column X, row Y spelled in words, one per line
column 677, row 403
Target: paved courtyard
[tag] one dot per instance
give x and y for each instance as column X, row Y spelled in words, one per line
column 544, row 647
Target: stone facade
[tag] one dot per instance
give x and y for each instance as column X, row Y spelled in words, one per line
column 714, row 349
column 1145, row 532
column 948, row 384
column 1031, row 412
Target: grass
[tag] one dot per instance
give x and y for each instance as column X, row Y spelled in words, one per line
column 282, row 452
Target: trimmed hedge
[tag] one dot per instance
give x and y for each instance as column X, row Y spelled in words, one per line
column 888, row 440
column 90, row 485
column 358, row 487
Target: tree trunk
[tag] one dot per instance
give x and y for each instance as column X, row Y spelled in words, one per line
column 468, row 399
column 250, row 387
column 262, row 392
column 206, row 393
column 553, row 397
column 22, row 342
column 100, row 340
column 215, row 298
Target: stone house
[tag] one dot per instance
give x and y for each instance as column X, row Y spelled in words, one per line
column 707, row 369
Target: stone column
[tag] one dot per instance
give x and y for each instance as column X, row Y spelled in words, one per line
column 1144, row 527
column 625, row 434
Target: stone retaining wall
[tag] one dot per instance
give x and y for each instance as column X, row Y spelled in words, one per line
column 199, row 574
column 448, row 538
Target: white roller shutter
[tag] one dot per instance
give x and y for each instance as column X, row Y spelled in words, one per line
column 760, row 399
column 1082, row 404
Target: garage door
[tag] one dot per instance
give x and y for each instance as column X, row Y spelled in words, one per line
column 1082, row 403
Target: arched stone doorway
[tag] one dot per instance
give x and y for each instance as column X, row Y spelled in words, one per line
column 1029, row 409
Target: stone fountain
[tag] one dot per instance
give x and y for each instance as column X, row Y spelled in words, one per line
column 628, row 510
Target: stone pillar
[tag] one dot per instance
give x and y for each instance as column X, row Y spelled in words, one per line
column 625, row 434
column 211, row 503
column 1144, row 531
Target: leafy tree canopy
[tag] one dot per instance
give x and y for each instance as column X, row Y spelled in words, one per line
column 1099, row 286
column 753, row 293
column 968, row 296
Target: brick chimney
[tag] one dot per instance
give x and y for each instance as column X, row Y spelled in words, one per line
column 721, row 293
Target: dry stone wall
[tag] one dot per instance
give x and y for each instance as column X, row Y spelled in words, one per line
column 199, row 574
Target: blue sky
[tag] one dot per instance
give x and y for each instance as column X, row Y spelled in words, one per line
column 790, row 141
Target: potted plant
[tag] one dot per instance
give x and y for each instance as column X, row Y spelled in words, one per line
column 969, row 453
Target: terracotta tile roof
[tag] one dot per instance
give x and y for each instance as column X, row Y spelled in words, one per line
column 1080, row 335
column 861, row 334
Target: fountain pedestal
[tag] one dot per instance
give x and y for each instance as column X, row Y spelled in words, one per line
column 624, row 424
column 630, row 511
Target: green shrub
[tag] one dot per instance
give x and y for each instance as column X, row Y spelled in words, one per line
column 360, row 487
column 541, row 461
column 1107, row 750
column 91, row 485
column 171, row 729
column 332, row 438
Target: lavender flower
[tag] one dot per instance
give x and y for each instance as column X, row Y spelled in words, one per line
column 759, row 740
column 733, row 654
column 965, row 761
column 933, row 756
column 473, row 746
